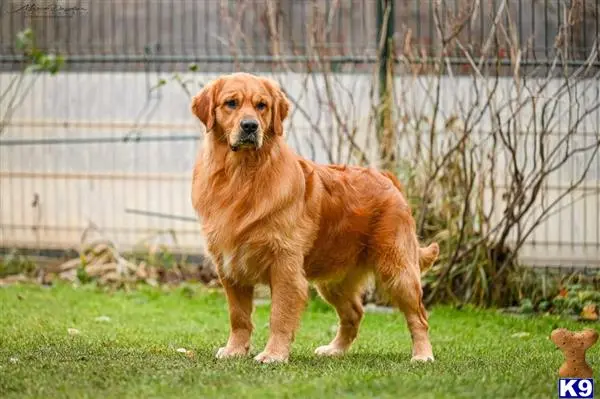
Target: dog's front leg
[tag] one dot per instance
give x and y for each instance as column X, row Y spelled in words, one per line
column 289, row 293
column 239, row 300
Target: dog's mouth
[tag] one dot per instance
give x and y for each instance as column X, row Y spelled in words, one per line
column 245, row 142
column 242, row 146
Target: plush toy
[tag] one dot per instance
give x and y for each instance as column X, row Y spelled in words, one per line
column 573, row 345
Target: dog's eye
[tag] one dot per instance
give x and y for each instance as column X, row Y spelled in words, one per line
column 260, row 106
column 231, row 103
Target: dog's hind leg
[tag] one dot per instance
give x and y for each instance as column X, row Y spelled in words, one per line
column 398, row 268
column 344, row 296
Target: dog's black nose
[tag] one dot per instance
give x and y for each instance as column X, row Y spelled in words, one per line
column 249, row 125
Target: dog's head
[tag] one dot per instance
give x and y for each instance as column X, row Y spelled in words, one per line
column 242, row 110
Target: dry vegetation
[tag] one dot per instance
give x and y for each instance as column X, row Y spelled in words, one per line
column 98, row 260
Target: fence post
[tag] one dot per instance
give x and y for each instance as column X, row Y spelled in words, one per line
column 386, row 136
column 385, row 41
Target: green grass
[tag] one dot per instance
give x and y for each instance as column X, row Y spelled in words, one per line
column 134, row 354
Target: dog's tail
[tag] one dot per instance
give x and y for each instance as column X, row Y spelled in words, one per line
column 428, row 255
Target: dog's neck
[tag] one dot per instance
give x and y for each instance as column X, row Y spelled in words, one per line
column 234, row 185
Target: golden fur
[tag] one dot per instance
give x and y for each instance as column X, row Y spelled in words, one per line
column 269, row 216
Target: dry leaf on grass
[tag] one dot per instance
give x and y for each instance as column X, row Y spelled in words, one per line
column 521, row 334
column 73, row 331
column 188, row 353
column 589, row 312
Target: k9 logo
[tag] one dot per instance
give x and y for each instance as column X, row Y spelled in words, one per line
column 575, row 388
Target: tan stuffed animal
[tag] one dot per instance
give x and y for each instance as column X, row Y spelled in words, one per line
column 573, row 345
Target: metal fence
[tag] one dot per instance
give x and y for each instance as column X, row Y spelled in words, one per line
column 109, row 141
column 221, row 35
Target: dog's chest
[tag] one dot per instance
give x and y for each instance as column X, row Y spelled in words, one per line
column 227, row 268
column 242, row 264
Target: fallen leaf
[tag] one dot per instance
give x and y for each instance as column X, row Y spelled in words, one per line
column 589, row 312
column 563, row 292
column 13, row 360
column 190, row 354
column 73, row 331
column 103, row 319
column 181, row 350
column 521, row 334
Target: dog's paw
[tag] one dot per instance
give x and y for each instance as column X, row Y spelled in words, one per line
column 265, row 358
column 329, row 350
column 226, row 352
column 422, row 358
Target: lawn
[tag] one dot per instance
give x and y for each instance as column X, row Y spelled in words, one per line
column 126, row 346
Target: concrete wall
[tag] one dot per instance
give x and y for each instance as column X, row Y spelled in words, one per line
column 49, row 193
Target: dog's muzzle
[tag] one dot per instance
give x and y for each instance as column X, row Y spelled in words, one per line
column 248, row 136
column 245, row 141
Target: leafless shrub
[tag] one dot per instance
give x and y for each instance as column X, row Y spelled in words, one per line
column 478, row 177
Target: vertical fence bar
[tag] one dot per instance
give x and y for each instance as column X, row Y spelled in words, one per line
column 385, row 36
column 384, row 27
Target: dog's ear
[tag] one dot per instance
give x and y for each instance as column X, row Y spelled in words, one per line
column 281, row 106
column 203, row 104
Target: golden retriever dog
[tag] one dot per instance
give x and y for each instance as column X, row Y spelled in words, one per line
column 271, row 217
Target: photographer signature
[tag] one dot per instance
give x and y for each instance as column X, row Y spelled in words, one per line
column 56, row 10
